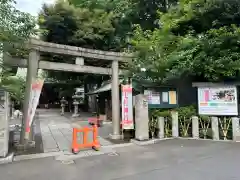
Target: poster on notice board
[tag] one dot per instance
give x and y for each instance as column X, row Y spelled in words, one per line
column 218, row 101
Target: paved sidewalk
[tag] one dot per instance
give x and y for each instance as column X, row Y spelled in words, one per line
column 56, row 130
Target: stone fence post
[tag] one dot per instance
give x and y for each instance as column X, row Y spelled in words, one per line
column 235, row 129
column 12, row 110
column 161, row 127
column 215, row 128
column 195, row 127
column 175, row 131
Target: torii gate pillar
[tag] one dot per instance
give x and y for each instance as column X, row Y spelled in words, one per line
column 115, row 102
column 32, row 71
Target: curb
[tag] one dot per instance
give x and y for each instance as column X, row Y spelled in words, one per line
column 36, row 156
column 65, row 155
column 119, row 145
column 154, row 141
column 8, row 159
column 219, row 140
column 149, row 142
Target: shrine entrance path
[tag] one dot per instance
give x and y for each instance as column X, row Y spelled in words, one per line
column 56, row 130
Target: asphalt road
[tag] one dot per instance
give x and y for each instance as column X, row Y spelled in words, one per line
column 168, row 160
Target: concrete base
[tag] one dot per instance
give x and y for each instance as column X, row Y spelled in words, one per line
column 148, row 142
column 8, row 159
column 75, row 115
column 107, row 122
column 142, row 138
column 23, row 147
column 36, row 156
column 115, row 136
column 237, row 137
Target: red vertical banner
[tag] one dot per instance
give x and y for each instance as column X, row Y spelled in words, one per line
column 36, row 89
column 127, row 107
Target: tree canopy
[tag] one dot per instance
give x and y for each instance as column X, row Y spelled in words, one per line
column 198, row 38
column 98, row 24
column 63, row 23
column 15, row 28
column 172, row 38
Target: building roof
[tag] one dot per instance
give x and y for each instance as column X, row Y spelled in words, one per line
column 107, row 86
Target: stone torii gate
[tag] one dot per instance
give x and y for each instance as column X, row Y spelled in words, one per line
column 33, row 63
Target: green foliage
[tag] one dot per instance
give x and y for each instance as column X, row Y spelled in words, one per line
column 214, row 55
column 63, row 23
column 199, row 16
column 154, row 115
column 198, row 38
column 152, row 124
column 15, row 28
column 204, row 117
column 97, row 24
column 66, row 24
column 186, row 112
column 15, row 86
column 160, row 113
column 97, row 4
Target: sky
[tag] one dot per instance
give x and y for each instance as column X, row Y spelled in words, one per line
column 32, row 6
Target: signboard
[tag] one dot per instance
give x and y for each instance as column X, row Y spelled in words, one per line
column 165, row 97
column 127, row 107
column 80, row 93
column 172, row 97
column 153, row 97
column 161, row 97
column 218, row 101
column 34, row 98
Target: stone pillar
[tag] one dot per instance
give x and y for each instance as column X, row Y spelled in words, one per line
column 79, row 61
column 115, row 102
column 12, row 110
column 32, row 71
column 161, row 127
column 175, row 131
column 215, row 128
column 75, row 103
column 62, row 109
column 141, row 118
column 75, row 108
column 4, row 124
column 195, row 127
column 63, row 105
column 235, row 129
